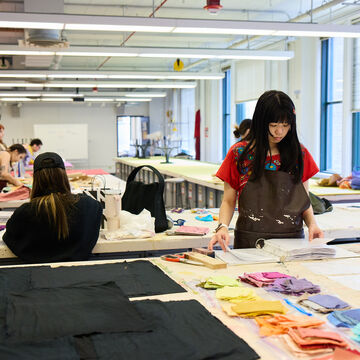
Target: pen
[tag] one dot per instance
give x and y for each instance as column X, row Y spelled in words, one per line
column 298, row 308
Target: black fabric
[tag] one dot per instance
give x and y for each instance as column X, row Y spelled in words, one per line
column 33, row 241
column 44, row 314
column 135, row 278
column 184, row 330
column 60, row 349
column 320, row 205
column 139, row 196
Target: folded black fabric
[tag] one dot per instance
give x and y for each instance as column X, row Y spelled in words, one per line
column 60, row 349
column 135, row 278
column 182, row 330
column 41, row 314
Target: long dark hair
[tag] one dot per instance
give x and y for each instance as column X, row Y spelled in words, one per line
column 51, row 196
column 240, row 130
column 273, row 107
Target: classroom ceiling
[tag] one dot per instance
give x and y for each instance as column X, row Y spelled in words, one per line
column 103, row 42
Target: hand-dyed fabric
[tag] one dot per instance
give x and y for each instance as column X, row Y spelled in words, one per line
column 293, row 286
column 219, row 281
column 328, row 301
column 324, row 303
column 356, row 333
column 348, row 318
column 260, row 279
column 258, row 307
column 280, row 324
column 342, row 354
column 21, row 193
column 238, row 293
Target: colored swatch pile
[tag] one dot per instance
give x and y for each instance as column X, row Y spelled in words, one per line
column 356, row 333
column 342, row 354
column 324, row 303
column 293, row 286
column 347, row 319
column 219, row 281
column 261, row 279
column 236, row 293
column 281, row 324
column 250, row 309
column 307, row 341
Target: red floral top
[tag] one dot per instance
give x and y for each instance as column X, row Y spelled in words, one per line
column 229, row 173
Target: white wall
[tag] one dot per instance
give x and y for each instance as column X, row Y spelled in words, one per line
column 101, row 127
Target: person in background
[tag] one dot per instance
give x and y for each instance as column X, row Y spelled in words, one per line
column 269, row 173
column 8, row 158
column 2, row 132
column 31, row 150
column 55, row 225
column 242, row 131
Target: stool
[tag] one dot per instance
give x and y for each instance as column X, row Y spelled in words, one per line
column 173, row 197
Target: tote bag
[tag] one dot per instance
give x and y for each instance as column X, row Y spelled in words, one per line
column 139, row 196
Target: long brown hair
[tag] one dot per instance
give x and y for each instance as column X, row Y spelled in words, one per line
column 51, row 196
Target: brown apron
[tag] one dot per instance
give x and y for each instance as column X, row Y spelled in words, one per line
column 270, row 207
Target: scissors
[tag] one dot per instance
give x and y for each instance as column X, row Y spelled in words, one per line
column 180, row 258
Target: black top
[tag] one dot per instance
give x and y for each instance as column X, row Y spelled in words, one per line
column 32, row 240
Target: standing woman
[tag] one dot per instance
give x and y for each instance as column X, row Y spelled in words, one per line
column 242, row 131
column 268, row 173
column 13, row 154
column 2, row 132
column 55, row 225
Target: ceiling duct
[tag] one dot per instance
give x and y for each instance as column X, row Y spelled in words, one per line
column 45, row 38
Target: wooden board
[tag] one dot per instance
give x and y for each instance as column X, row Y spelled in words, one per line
column 206, row 260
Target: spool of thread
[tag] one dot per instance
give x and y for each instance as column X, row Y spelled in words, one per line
column 112, row 205
column 112, row 223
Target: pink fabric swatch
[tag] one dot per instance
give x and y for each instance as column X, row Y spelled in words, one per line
column 21, row 193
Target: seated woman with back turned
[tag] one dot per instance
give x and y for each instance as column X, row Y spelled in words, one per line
column 56, row 225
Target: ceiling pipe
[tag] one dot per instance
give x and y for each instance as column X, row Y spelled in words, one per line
column 295, row 19
column 123, row 43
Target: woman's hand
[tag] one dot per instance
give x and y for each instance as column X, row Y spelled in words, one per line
column 221, row 237
column 315, row 232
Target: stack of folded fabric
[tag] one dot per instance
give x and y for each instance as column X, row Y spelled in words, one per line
column 254, row 308
column 348, row 318
column 280, row 324
column 236, row 293
column 342, row 354
column 219, row 281
column 260, row 279
column 356, row 333
column 324, row 303
column 307, row 341
column 293, row 286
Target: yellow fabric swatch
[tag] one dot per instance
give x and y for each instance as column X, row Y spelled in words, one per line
column 258, row 307
column 220, row 281
column 240, row 293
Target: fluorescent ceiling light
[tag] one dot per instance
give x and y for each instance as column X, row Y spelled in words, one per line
column 56, row 99
column 61, row 95
column 189, row 53
column 20, row 94
column 106, row 85
column 132, row 99
column 142, row 75
column 15, row 99
column 149, row 94
column 172, row 25
column 98, row 99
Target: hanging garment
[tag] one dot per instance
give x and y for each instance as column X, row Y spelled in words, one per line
column 197, row 135
column 270, row 207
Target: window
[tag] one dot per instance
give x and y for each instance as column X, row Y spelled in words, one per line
column 331, row 105
column 226, row 113
column 245, row 110
column 131, row 130
column 356, row 142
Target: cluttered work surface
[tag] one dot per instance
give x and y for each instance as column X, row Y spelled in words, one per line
column 269, row 315
column 341, row 222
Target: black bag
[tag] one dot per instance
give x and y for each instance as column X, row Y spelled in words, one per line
column 139, row 196
column 320, row 205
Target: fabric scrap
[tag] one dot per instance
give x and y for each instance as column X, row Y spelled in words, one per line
column 347, row 318
column 258, row 307
column 328, row 301
column 293, row 286
column 38, row 315
column 239, row 293
column 219, row 281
